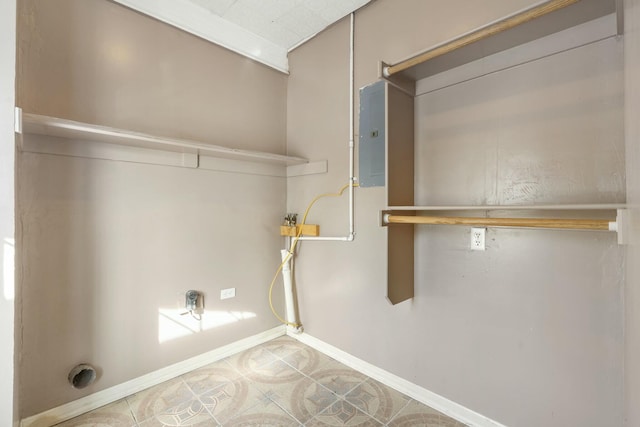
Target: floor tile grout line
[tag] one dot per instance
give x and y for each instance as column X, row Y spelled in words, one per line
column 345, row 396
column 285, row 410
column 194, row 392
column 349, row 403
column 163, row 384
column 307, row 376
column 254, row 383
column 319, row 368
column 321, row 412
column 267, row 399
column 209, row 412
column 398, row 412
column 288, row 413
column 395, row 415
column 133, row 417
column 312, row 380
column 196, row 395
column 338, row 396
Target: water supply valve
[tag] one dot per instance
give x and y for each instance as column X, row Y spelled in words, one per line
column 290, row 219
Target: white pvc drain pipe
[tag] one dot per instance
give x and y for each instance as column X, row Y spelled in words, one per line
column 288, row 290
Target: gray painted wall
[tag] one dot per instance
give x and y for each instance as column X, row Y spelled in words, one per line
column 7, row 224
column 111, row 248
column 632, row 136
column 108, row 245
column 98, row 62
column 529, row 332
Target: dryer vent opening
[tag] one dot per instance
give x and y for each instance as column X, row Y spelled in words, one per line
column 82, row 375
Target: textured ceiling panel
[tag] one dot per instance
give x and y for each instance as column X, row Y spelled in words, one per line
column 263, row 30
column 283, row 22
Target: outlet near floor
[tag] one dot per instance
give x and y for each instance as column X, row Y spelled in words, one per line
column 477, row 239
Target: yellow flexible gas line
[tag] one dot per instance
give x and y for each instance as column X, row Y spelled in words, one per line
column 292, row 249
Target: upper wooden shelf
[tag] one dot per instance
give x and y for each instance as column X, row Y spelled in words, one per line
column 540, row 20
column 53, row 126
column 567, row 207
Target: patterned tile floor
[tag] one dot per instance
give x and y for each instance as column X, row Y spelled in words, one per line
column 279, row 383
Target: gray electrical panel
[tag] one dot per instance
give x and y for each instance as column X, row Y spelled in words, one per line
column 371, row 156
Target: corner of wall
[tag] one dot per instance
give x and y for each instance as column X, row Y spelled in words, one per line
column 8, row 401
column 632, row 147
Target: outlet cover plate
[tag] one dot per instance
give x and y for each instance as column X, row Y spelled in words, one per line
column 228, row 293
column 478, row 239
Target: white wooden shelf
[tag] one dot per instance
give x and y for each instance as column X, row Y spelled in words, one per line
column 546, row 28
column 63, row 128
column 567, row 207
column 542, row 19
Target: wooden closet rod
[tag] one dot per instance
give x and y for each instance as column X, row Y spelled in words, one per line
column 479, row 34
column 572, row 224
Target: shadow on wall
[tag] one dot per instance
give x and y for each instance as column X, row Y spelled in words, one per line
column 175, row 323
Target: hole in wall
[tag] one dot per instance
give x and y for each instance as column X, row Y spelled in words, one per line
column 82, row 376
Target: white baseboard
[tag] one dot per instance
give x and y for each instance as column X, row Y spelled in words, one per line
column 120, row 391
column 435, row 401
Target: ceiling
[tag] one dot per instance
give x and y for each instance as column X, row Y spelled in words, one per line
column 264, row 30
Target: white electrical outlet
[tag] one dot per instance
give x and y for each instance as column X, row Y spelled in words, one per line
column 228, row 293
column 477, row 239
